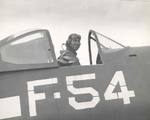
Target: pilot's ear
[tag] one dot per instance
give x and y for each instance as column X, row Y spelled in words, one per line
column 67, row 43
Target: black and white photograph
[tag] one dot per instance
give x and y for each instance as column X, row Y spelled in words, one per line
column 74, row 59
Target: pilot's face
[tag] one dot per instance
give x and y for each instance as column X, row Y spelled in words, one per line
column 75, row 43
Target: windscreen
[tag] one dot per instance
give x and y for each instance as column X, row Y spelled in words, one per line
column 30, row 49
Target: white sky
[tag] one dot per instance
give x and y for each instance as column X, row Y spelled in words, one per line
column 126, row 21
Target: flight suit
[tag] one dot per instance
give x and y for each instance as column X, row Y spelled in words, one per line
column 68, row 57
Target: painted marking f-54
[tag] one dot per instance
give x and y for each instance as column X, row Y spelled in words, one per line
column 118, row 78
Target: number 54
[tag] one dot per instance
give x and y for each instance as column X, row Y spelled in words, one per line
column 118, row 78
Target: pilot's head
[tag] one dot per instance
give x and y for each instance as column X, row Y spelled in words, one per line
column 73, row 41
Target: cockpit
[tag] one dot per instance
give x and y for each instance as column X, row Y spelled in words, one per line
column 34, row 49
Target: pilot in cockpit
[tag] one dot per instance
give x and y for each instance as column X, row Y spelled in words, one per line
column 69, row 56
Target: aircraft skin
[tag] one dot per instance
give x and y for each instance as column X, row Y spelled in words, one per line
column 117, row 89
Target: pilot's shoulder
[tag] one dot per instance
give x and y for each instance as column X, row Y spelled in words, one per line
column 65, row 52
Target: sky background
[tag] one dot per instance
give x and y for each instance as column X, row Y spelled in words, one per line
column 126, row 21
